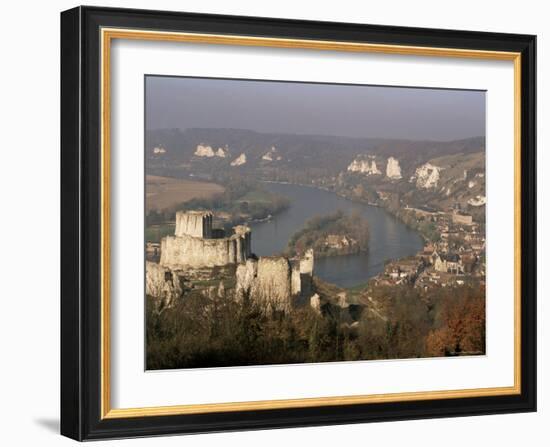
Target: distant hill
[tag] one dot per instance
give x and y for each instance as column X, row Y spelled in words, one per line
column 176, row 152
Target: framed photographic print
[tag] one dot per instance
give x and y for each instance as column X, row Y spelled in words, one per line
column 275, row 223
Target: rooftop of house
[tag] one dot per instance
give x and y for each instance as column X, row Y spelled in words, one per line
column 450, row 257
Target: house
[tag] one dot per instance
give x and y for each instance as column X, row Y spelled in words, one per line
column 427, row 253
column 404, row 270
column 448, row 263
column 338, row 242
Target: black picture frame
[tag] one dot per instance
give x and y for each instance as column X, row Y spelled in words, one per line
column 81, row 224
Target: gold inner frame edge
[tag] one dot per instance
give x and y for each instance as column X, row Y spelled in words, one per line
column 107, row 35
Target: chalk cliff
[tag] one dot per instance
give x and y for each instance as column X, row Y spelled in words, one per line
column 221, row 152
column 208, row 152
column 367, row 166
column 272, row 154
column 204, row 151
column 426, row 176
column 240, row 160
column 393, row 170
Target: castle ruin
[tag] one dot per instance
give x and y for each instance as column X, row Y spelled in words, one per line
column 195, row 245
column 276, row 282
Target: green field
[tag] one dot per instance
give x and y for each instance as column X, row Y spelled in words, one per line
column 256, row 196
column 154, row 233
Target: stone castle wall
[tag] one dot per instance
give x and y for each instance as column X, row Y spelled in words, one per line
column 307, row 262
column 295, row 278
column 243, row 238
column 272, row 286
column 275, row 282
column 194, row 245
column 192, row 252
column 194, row 223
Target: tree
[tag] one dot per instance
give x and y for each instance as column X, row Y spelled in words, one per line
column 463, row 329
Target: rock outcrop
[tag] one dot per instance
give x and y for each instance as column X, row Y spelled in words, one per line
column 393, row 170
column 271, row 155
column 426, row 176
column 208, row 152
column 221, row 152
column 162, row 283
column 204, row 151
column 240, row 160
column 367, row 167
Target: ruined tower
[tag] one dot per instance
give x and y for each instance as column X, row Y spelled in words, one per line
column 194, row 223
column 306, row 272
column 243, row 239
column 194, row 246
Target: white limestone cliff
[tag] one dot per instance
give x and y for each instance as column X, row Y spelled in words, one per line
column 207, row 151
column 426, row 176
column 240, row 160
column 367, row 167
column 271, row 155
column 393, row 170
column 204, row 151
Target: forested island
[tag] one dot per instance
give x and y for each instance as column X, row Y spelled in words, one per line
column 331, row 235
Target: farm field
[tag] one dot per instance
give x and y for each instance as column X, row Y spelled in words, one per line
column 163, row 193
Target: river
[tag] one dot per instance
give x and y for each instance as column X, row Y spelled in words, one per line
column 389, row 238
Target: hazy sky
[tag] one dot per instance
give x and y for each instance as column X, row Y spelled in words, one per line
column 301, row 108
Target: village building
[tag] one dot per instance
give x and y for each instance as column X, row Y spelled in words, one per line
column 448, row 263
column 404, row 270
column 339, row 241
column 427, row 253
